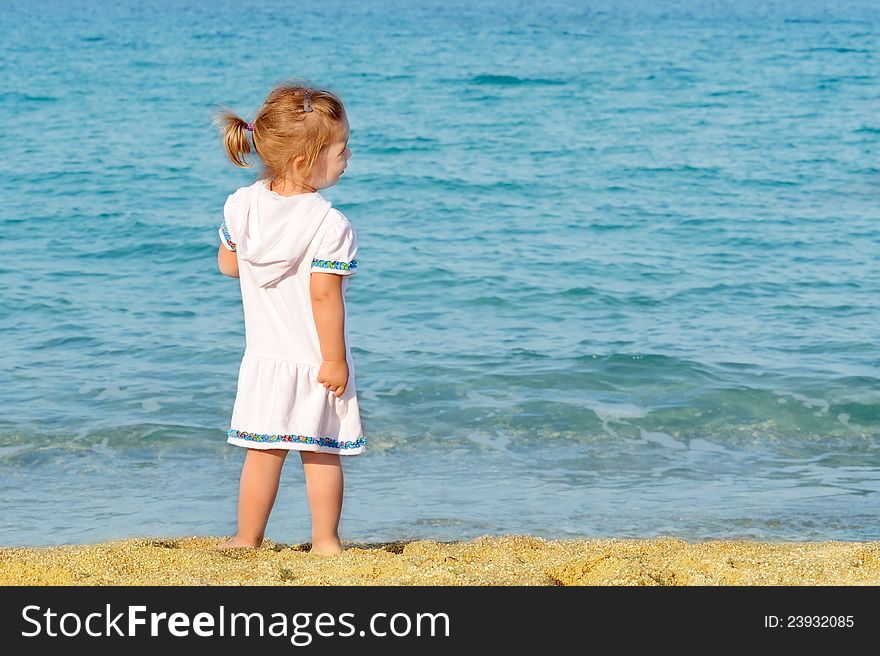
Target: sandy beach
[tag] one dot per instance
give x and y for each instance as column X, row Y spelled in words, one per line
column 487, row 560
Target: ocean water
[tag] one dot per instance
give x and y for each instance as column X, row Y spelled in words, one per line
column 618, row 266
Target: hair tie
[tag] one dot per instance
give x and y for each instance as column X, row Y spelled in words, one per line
column 307, row 101
column 250, row 127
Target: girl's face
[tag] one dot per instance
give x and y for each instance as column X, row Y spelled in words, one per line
column 332, row 161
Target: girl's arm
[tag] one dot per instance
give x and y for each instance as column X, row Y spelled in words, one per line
column 227, row 262
column 327, row 307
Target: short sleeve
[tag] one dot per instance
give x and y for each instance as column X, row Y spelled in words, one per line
column 338, row 250
column 230, row 211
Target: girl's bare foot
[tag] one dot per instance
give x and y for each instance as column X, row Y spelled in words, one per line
column 326, row 547
column 236, row 543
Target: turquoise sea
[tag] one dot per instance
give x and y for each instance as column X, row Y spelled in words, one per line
column 619, row 266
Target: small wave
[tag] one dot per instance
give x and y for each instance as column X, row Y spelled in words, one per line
column 578, row 292
column 734, row 92
column 766, row 182
column 527, row 354
column 26, row 97
column 78, row 340
column 212, row 36
column 512, row 80
column 661, row 438
column 617, row 411
column 685, row 168
column 836, row 50
column 391, row 150
column 487, row 301
column 185, row 314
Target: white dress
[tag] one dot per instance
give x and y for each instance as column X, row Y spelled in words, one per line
column 280, row 241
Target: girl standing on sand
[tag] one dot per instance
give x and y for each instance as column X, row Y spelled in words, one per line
column 293, row 254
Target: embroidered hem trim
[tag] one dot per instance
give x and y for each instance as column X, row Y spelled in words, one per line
column 297, row 439
column 334, row 264
column 226, row 237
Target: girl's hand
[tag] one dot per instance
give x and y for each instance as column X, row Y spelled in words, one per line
column 333, row 374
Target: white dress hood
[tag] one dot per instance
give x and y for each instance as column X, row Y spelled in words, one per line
column 273, row 232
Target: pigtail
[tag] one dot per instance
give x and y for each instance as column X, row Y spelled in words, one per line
column 234, row 132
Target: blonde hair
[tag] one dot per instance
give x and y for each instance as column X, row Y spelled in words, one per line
column 283, row 130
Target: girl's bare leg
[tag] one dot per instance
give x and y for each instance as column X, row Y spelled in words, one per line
column 258, row 488
column 324, row 487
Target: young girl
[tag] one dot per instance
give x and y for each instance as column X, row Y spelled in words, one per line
column 293, row 254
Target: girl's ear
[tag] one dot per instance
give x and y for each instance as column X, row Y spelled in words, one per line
column 298, row 162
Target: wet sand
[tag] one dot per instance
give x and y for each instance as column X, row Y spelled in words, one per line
column 488, row 560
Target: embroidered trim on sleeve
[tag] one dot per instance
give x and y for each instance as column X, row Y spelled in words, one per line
column 227, row 240
column 334, row 264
